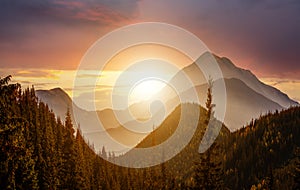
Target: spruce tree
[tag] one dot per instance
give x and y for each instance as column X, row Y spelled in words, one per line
column 297, row 171
column 68, row 154
column 17, row 167
column 80, row 166
column 209, row 170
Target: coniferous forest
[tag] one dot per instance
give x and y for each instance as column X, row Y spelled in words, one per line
column 39, row 151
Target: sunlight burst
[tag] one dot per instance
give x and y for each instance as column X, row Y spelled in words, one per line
column 145, row 90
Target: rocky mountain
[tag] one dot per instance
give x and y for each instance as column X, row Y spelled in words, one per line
column 229, row 70
column 246, row 98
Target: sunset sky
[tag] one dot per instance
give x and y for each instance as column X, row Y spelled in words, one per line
column 42, row 42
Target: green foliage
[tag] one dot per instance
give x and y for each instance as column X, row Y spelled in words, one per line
column 16, row 162
column 260, row 151
column 209, row 170
column 297, row 170
column 38, row 151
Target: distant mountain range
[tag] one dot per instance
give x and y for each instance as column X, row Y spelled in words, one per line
column 247, row 98
column 59, row 101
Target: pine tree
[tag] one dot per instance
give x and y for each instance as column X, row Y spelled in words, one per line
column 103, row 153
column 37, row 150
column 68, row 154
column 58, row 130
column 297, row 171
column 208, row 171
column 209, row 105
column 17, row 167
column 80, row 166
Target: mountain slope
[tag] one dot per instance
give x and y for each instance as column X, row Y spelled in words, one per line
column 247, row 97
column 182, row 163
column 243, row 103
column 110, row 135
column 229, row 70
column 262, row 151
column 59, row 101
column 256, row 154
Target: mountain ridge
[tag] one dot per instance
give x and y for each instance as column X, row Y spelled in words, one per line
column 253, row 103
column 245, row 92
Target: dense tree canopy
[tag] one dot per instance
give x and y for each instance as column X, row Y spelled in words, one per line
column 39, row 151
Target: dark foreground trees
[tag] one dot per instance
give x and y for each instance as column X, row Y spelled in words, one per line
column 17, row 163
column 209, row 168
column 39, row 151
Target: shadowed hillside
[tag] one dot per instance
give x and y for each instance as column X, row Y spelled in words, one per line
column 39, row 152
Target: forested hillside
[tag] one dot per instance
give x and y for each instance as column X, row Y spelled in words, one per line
column 38, row 151
column 265, row 152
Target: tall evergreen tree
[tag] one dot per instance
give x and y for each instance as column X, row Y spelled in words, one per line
column 297, row 171
column 68, row 154
column 17, row 167
column 209, row 105
column 209, row 171
column 82, row 180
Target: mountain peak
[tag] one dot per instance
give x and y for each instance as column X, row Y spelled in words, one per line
column 229, row 70
column 57, row 99
column 58, row 90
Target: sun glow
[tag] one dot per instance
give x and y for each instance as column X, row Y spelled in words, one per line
column 145, row 90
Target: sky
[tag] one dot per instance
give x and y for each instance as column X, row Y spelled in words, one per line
column 43, row 42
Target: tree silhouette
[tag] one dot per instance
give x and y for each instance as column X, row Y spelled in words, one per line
column 38, row 151
column 209, row 171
